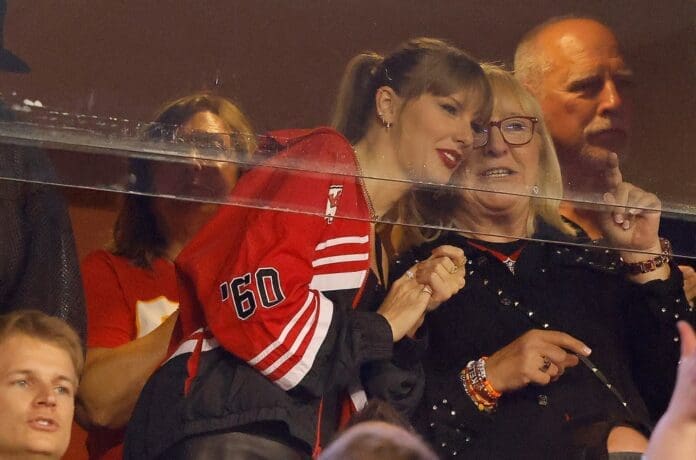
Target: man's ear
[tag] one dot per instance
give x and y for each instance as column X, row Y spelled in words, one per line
column 387, row 104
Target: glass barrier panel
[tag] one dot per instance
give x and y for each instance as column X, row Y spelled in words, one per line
column 133, row 125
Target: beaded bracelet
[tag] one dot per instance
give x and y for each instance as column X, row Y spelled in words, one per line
column 478, row 387
column 480, row 403
column 487, row 387
column 647, row 266
column 479, row 400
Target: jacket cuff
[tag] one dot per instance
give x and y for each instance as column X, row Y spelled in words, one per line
column 373, row 335
column 672, row 285
column 408, row 352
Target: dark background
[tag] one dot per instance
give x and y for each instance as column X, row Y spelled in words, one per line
column 281, row 60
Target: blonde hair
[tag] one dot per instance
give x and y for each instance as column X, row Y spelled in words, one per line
column 425, row 206
column 378, row 440
column 49, row 329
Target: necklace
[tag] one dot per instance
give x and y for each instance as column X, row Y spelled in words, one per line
column 508, row 260
column 377, row 247
column 366, row 194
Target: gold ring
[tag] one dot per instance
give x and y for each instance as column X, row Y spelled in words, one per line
column 409, row 274
column 427, row 289
column 454, row 270
column 547, row 364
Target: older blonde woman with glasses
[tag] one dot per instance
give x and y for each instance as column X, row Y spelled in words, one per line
column 544, row 352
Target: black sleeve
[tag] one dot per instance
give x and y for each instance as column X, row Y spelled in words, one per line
column 680, row 230
column 401, row 380
column 355, row 339
column 451, row 348
column 650, row 316
column 49, row 276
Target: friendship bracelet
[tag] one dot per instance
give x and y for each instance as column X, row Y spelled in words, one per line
column 487, row 386
column 477, row 386
column 481, row 403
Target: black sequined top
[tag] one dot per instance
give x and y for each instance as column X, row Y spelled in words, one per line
column 577, row 290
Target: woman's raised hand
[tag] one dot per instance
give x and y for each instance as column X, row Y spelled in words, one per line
column 421, row 289
column 537, row 356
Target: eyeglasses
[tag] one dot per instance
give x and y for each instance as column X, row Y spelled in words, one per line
column 220, row 142
column 516, row 130
column 204, row 140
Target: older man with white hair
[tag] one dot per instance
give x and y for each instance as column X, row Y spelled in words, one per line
column 575, row 68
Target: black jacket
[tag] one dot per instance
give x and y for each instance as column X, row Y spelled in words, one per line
column 572, row 289
column 229, row 395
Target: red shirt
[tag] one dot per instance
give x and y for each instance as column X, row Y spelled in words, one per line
column 124, row 302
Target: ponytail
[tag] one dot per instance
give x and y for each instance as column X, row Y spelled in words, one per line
column 355, row 101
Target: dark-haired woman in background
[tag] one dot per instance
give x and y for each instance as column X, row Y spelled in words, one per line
column 281, row 315
column 543, row 353
column 131, row 288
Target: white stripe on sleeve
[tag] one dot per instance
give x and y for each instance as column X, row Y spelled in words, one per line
column 342, row 240
column 339, row 259
column 298, row 372
column 187, row 346
column 293, row 349
column 283, row 335
column 338, row 281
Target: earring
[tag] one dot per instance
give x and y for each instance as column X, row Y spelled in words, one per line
column 535, row 189
column 385, row 123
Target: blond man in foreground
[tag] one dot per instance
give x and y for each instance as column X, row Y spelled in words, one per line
column 41, row 360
